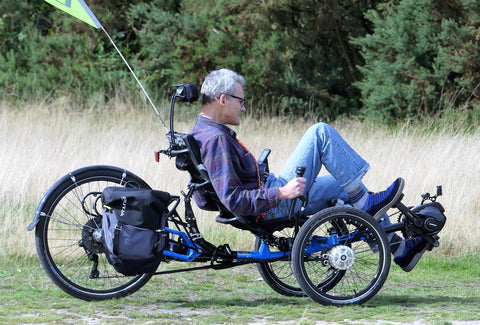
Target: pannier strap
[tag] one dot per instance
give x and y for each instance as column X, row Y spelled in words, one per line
column 116, row 238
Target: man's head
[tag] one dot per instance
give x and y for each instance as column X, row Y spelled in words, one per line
column 222, row 96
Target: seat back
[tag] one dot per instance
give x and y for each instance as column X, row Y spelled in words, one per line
column 191, row 161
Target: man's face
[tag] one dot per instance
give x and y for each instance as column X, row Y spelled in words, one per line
column 232, row 108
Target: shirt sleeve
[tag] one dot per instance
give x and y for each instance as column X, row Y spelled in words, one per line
column 238, row 192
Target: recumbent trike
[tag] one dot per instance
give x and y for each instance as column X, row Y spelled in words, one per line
column 338, row 256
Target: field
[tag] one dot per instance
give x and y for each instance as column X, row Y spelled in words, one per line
column 40, row 143
column 437, row 292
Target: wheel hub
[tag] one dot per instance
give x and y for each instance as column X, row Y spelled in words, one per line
column 341, row 257
column 92, row 236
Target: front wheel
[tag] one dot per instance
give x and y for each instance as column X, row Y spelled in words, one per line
column 341, row 256
column 68, row 236
column 278, row 275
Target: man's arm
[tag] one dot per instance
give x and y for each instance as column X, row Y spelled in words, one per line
column 233, row 174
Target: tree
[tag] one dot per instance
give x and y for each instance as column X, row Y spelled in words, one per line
column 295, row 53
column 45, row 52
column 421, row 57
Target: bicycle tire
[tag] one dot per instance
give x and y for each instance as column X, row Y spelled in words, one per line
column 341, row 267
column 65, row 235
column 278, row 275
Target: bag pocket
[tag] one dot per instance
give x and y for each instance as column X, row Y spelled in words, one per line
column 135, row 243
column 131, row 250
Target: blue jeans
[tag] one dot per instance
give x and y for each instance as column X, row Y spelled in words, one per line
column 320, row 146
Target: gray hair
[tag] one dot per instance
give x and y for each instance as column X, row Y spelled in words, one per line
column 220, row 82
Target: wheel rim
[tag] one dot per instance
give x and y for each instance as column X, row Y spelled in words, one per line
column 350, row 269
column 72, row 240
column 279, row 274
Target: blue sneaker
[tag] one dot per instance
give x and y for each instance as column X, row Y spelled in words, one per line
column 414, row 249
column 378, row 203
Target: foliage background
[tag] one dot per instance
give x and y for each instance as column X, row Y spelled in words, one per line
column 381, row 60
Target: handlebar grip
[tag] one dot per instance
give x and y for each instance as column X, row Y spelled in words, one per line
column 301, row 171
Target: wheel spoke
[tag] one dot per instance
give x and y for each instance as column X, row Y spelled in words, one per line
column 279, row 274
column 351, row 266
column 65, row 240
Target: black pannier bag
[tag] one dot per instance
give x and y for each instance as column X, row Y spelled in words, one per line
column 133, row 228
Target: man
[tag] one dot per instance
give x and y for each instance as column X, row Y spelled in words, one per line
column 235, row 175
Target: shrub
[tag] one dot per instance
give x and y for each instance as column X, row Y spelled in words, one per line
column 46, row 53
column 295, row 52
column 420, row 58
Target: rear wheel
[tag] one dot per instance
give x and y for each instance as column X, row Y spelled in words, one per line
column 68, row 236
column 341, row 256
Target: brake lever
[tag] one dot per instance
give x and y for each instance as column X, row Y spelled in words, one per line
column 426, row 196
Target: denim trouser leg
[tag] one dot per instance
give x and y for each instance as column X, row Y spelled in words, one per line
column 321, row 145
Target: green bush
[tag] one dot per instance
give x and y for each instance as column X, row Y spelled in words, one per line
column 295, row 52
column 46, row 53
column 295, row 55
column 407, row 58
column 421, row 58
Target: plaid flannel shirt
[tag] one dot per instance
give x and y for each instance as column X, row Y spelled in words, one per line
column 232, row 169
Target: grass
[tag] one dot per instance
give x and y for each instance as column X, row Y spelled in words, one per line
column 42, row 142
column 438, row 291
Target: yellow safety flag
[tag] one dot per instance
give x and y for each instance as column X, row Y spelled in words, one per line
column 78, row 9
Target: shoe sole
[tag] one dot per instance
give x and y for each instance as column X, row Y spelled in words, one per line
column 415, row 260
column 394, row 201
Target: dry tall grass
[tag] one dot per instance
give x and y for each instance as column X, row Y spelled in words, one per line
column 40, row 143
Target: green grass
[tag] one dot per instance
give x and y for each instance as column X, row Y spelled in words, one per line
column 441, row 290
column 437, row 291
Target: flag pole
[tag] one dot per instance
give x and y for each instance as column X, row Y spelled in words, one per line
column 80, row 10
column 136, row 78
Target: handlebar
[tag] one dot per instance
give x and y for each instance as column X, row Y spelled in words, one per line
column 300, row 171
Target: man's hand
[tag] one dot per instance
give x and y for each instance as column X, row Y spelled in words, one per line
column 292, row 189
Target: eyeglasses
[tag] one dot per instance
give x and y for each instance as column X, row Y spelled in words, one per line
column 242, row 100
